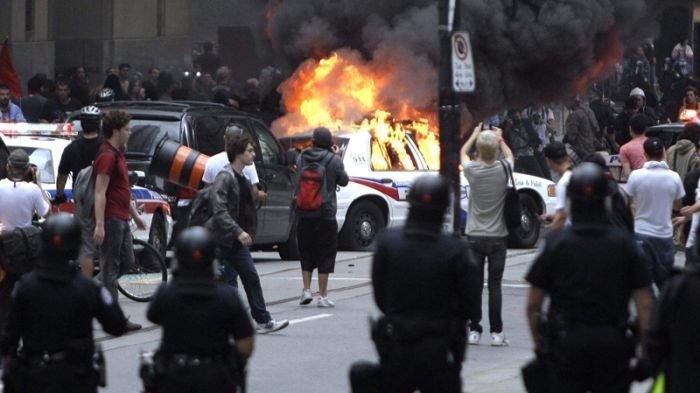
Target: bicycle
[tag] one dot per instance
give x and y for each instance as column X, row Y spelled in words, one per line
column 148, row 274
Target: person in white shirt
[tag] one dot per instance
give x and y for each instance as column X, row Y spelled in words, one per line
column 560, row 164
column 657, row 192
column 21, row 198
column 220, row 162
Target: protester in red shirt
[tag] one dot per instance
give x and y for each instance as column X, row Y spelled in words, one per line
column 632, row 153
column 113, row 207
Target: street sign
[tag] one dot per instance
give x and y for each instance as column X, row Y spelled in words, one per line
column 463, row 73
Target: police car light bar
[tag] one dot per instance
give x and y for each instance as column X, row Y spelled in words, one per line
column 61, row 130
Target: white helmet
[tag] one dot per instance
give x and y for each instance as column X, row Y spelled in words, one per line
column 637, row 92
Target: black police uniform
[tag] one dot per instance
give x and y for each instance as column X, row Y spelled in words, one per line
column 51, row 314
column 199, row 316
column 589, row 271
column 672, row 341
column 426, row 285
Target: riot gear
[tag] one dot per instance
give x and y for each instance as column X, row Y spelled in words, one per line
column 194, row 251
column 90, row 118
column 61, row 241
column 46, row 349
column 588, row 183
column 61, row 238
column 430, row 194
column 202, row 317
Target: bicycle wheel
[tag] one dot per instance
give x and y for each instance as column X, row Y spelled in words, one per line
column 148, row 274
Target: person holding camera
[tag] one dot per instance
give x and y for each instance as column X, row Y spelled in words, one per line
column 22, row 197
column 486, row 228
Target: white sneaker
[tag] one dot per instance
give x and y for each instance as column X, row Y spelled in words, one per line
column 324, row 302
column 474, row 337
column 499, row 340
column 271, row 326
column 306, row 297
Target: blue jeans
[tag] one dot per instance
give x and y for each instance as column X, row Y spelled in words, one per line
column 238, row 260
column 661, row 253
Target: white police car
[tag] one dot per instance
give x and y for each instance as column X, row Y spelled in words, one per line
column 380, row 175
column 45, row 144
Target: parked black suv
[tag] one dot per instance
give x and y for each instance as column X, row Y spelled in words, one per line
column 200, row 126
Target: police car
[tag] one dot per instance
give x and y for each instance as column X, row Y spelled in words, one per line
column 45, row 144
column 380, row 175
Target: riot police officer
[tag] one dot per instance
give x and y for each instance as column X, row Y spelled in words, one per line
column 426, row 285
column 51, row 315
column 589, row 271
column 200, row 317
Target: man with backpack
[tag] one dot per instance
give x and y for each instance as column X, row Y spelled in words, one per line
column 112, row 204
column 22, row 197
column 319, row 172
column 232, row 222
column 78, row 155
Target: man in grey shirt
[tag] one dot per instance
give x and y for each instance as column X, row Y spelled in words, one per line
column 486, row 227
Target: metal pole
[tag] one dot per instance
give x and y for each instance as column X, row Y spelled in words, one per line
column 448, row 109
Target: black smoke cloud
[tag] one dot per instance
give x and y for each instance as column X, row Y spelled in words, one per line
column 525, row 50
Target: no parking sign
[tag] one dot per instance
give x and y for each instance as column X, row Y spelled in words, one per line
column 463, row 75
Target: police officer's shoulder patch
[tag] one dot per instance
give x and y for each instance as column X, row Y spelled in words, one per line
column 107, row 298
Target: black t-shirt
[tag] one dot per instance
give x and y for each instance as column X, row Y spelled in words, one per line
column 245, row 203
column 590, row 273
column 195, row 323
column 79, row 154
column 56, row 111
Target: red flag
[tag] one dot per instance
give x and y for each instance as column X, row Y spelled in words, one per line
column 8, row 74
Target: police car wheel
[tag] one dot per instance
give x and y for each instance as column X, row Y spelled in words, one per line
column 157, row 236
column 363, row 223
column 527, row 234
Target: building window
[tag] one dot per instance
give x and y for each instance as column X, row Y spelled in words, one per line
column 29, row 15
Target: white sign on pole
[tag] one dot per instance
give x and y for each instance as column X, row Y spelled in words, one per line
column 463, row 72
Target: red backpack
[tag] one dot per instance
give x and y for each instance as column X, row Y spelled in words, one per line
column 312, row 193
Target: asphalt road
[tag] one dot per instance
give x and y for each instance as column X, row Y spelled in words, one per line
column 314, row 354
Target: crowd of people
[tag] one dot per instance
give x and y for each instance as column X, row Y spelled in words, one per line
column 52, row 100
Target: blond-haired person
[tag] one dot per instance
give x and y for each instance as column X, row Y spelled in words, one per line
column 486, row 228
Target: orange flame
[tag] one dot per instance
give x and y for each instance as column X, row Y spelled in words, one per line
column 341, row 91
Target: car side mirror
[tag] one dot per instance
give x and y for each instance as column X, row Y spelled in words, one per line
column 137, row 178
column 291, row 156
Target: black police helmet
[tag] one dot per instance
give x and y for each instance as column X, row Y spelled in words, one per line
column 194, row 251
column 588, row 183
column 61, row 238
column 429, row 193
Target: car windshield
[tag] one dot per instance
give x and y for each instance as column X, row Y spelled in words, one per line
column 43, row 159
